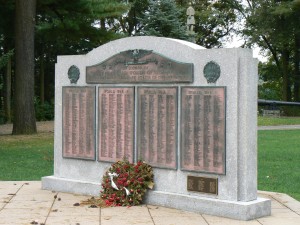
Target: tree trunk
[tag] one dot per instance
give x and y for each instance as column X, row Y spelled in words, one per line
column 286, row 83
column 42, row 81
column 102, row 24
column 24, row 114
column 48, row 81
column 297, row 69
column 7, row 99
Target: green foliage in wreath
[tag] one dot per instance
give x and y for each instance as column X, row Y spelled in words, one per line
column 125, row 183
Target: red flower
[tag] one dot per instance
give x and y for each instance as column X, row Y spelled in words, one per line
column 108, row 203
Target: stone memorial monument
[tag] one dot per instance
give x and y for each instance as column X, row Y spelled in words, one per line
column 188, row 111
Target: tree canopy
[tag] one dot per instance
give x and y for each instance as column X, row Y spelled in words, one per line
column 163, row 19
column 274, row 26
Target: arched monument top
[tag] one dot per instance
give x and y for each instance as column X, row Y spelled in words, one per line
column 165, row 46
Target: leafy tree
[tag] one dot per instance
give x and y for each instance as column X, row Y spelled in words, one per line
column 6, row 52
column 5, row 58
column 269, row 85
column 163, row 19
column 71, row 22
column 129, row 23
column 274, row 26
column 24, row 114
column 216, row 22
column 5, row 61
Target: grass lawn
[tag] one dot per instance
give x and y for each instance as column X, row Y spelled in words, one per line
column 26, row 157
column 279, row 161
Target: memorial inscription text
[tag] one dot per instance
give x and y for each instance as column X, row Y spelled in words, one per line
column 157, row 123
column 202, row 184
column 203, row 129
column 79, row 122
column 139, row 66
column 116, row 123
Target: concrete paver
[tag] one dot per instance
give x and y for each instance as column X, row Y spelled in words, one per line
column 13, row 204
column 22, row 216
column 215, row 220
column 34, row 197
column 284, row 213
column 66, row 203
column 24, row 202
column 287, row 201
column 69, row 196
column 162, row 215
column 73, row 220
column 4, row 198
column 178, row 221
column 75, row 211
column 279, row 221
column 279, row 127
column 9, row 187
column 126, row 215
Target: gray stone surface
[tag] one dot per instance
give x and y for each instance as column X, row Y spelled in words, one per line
column 71, row 186
column 233, row 209
column 238, row 74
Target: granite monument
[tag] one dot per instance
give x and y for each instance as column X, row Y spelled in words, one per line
column 188, row 111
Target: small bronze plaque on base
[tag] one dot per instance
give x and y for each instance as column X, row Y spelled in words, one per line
column 203, row 184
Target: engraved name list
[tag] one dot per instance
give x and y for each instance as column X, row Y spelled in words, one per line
column 79, row 122
column 157, row 122
column 203, row 129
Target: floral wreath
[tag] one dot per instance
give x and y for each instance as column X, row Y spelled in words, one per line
column 125, row 183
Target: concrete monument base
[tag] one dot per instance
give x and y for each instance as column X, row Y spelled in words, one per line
column 70, row 186
column 231, row 209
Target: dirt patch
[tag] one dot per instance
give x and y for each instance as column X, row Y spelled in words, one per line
column 42, row 127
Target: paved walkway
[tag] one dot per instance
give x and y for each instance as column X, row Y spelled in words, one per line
column 25, row 203
column 48, row 126
column 279, row 127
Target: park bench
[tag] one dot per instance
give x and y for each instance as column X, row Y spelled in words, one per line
column 271, row 113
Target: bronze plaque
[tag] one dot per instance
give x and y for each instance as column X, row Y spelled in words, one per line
column 203, row 129
column 157, row 123
column 116, row 123
column 202, row 184
column 78, row 111
column 139, row 66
